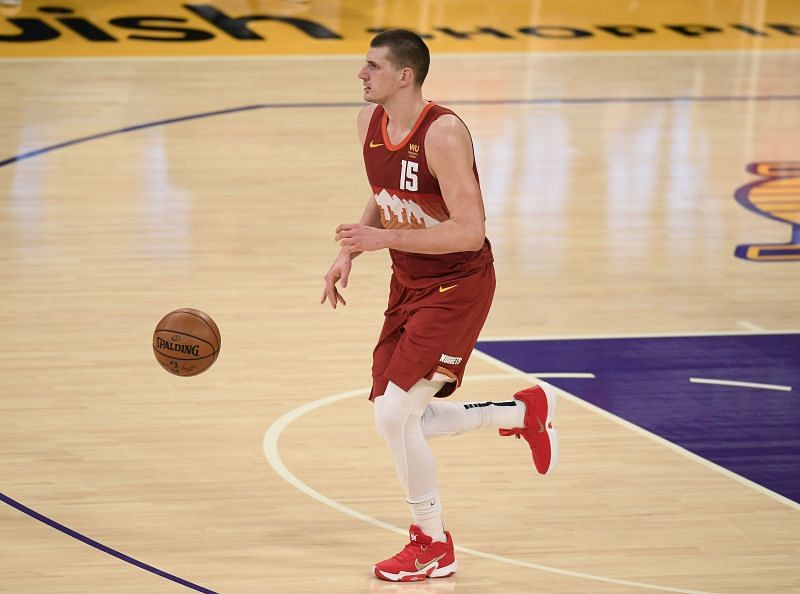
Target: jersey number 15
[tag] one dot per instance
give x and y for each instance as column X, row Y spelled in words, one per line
column 408, row 176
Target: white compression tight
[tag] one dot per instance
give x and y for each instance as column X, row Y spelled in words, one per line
column 398, row 419
column 453, row 418
column 406, row 418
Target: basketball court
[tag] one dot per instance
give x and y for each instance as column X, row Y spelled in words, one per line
column 640, row 167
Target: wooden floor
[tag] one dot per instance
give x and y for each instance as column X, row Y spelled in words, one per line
column 609, row 216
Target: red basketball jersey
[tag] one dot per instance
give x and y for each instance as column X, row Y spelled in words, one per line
column 409, row 197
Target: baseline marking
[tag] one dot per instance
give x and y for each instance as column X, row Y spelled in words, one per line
column 535, row 375
column 719, row 382
column 270, row 446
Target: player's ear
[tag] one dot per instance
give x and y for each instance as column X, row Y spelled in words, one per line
column 407, row 76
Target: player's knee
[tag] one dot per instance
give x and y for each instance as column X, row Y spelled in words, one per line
column 428, row 417
column 387, row 420
column 391, row 413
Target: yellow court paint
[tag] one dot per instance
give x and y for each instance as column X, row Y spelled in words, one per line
column 302, row 27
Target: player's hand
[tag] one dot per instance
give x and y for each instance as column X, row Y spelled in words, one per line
column 360, row 238
column 338, row 272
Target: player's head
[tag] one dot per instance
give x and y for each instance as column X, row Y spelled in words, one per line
column 406, row 50
column 396, row 59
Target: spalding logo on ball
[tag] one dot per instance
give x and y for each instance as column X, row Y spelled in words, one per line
column 186, row 341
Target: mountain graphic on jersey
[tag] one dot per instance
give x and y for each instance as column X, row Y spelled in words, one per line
column 405, row 213
column 775, row 196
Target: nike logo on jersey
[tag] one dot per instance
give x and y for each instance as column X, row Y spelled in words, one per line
column 373, row 144
column 443, row 289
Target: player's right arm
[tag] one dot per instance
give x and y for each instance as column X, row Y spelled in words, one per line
column 371, row 217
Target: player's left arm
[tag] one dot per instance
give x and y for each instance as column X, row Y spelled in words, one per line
column 448, row 148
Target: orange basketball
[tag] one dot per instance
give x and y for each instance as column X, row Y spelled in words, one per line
column 186, row 341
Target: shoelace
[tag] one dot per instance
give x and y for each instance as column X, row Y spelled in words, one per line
column 518, row 433
column 410, row 551
column 508, row 432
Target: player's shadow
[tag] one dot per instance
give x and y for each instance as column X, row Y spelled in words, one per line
column 428, row 586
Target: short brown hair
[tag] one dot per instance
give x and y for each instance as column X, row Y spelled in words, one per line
column 407, row 50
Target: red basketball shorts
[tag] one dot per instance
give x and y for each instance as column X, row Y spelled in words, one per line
column 431, row 329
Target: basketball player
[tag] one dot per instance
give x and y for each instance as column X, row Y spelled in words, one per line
column 426, row 208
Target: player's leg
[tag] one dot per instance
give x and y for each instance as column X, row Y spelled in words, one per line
column 429, row 552
column 445, row 419
column 529, row 415
column 398, row 421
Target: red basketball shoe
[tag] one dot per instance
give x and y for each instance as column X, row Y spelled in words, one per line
column 421, row 558
column 540, row 408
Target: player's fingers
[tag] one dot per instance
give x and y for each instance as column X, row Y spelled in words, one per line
column 349, row 245
column 343, row 234
column 329, row 294
column 339, row 296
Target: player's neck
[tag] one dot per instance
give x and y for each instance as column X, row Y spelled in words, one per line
column 403, row 112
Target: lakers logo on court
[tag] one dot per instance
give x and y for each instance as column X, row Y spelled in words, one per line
column 775, row 196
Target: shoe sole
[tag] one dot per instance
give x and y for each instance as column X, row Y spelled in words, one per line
column 403, row 576
column 446, row 571
column 552, row 434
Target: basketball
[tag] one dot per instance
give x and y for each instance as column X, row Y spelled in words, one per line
column 186, row 341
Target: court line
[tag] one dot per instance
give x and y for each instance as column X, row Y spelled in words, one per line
column 533, row 54
column 100, row 546
column 534, row 375
column 750, row 52
column 750, row 326
column 719, row 382
column 352, row 104
column 270, row 447
column 652, row 335
column 53, row 147
column 652, row 436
